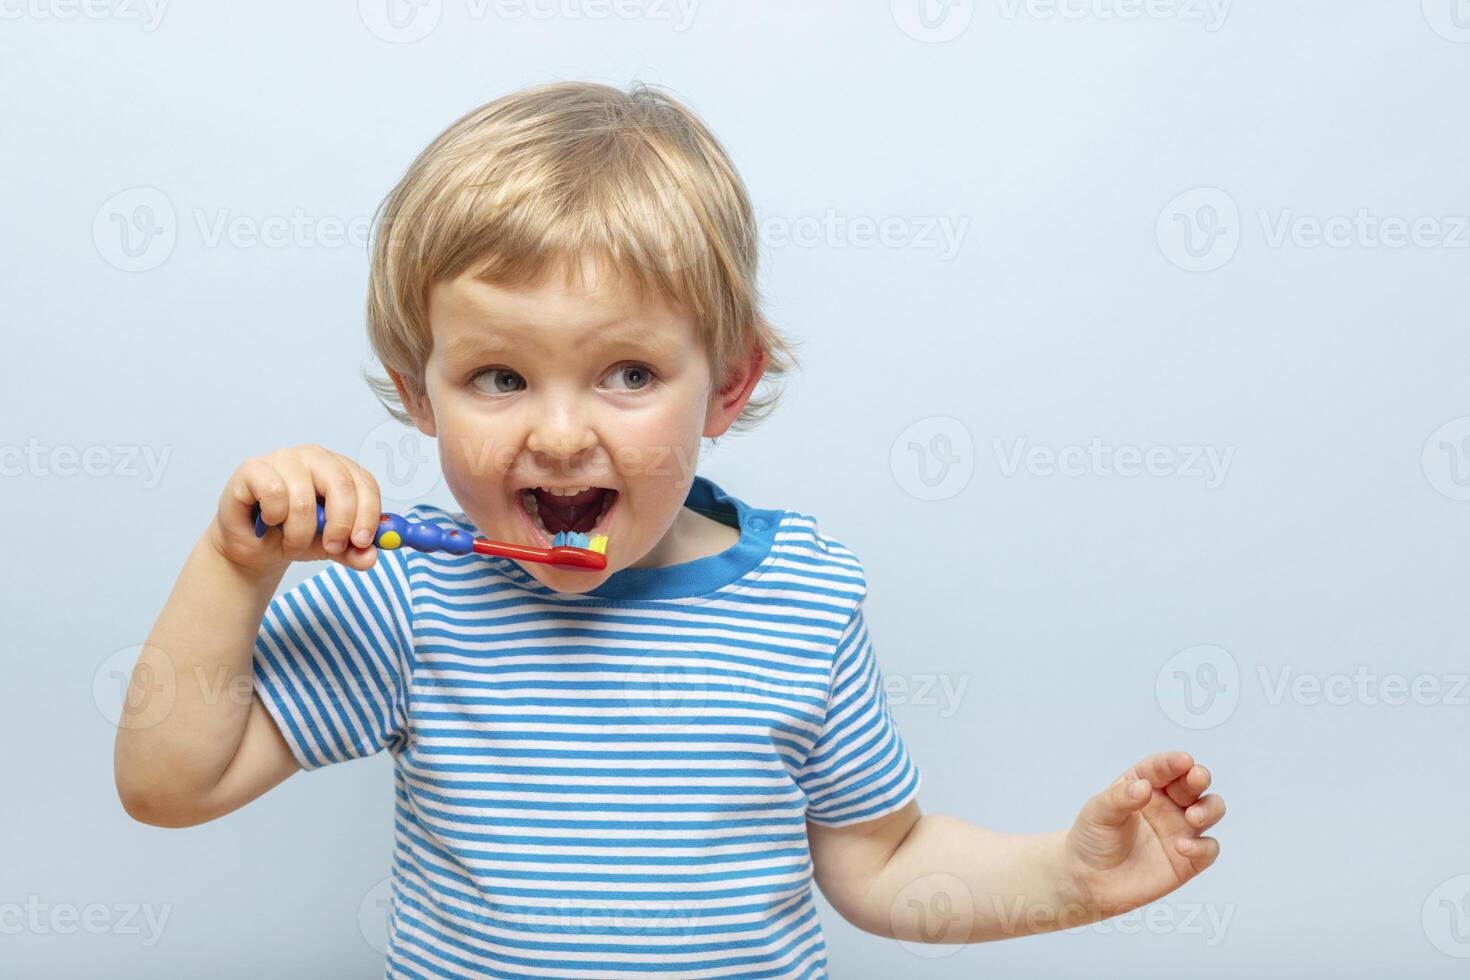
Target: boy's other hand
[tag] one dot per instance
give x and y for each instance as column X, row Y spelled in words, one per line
column 286, row 483
column 1139, row 839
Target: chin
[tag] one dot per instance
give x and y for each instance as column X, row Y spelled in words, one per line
column 567, row 579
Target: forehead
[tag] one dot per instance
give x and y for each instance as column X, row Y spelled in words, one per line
column 469, row 316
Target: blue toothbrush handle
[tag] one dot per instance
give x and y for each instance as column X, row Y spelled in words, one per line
column 394, row 531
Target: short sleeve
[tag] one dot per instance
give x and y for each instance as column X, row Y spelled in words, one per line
column 859, row 768
column 333, row 661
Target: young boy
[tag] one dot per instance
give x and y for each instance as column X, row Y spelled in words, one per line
column 637, row 772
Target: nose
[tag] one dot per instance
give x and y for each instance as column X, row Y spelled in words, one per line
column 561, row 432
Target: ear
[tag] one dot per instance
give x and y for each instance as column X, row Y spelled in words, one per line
column 728, row 400
column 416, row 404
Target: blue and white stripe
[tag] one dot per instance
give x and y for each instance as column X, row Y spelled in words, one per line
column 608, row 784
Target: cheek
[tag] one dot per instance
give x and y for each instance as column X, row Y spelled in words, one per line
column 657, row 451
column 472, row 474
column 474, row 452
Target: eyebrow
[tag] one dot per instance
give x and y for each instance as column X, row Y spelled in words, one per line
column 625, row 334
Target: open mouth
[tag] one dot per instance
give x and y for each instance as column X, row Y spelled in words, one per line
column 550, row 510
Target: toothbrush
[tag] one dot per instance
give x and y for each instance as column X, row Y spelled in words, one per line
column 570, row 549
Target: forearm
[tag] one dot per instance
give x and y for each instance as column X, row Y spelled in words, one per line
column 950, row 881
column 190, row 694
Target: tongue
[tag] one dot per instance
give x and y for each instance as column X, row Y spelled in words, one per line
column 576, row 513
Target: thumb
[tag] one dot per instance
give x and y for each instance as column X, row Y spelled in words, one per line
column 1118, row 802
column 355, row 558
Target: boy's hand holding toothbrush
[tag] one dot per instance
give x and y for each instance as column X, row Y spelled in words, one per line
column 328, row 507
column 285, row 486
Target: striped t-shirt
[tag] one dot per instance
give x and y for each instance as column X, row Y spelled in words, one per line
column 605, row 784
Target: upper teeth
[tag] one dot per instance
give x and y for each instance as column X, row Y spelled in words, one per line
column 565, row 491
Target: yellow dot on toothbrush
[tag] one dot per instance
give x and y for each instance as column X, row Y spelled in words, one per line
column 390, row 540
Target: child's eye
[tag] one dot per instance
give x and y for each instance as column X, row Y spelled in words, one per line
column 491, row 379
column 639, row 376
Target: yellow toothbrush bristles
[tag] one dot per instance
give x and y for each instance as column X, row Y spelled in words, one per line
column 598, row 543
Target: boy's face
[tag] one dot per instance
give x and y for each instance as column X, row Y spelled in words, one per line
column 566, row 386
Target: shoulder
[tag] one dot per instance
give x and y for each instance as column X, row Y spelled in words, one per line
column 803, row 550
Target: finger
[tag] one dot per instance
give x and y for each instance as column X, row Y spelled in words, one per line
column 1186, row 790
column 1201, row 851
column 369, row 508
column 298, row 531
column 1163, row 768
column 334, row 483
column 259, row 481
column 1206, row 813
column 357, row 558
column 1118, row 802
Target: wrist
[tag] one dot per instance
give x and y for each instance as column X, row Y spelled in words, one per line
column 1072, row 890
column 211, row 548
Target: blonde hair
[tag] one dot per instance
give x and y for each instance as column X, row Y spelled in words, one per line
column 541, row 178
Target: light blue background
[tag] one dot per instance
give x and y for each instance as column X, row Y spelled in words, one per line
column 1335, row 541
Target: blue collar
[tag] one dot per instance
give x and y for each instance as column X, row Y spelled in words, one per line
column 702, row 575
